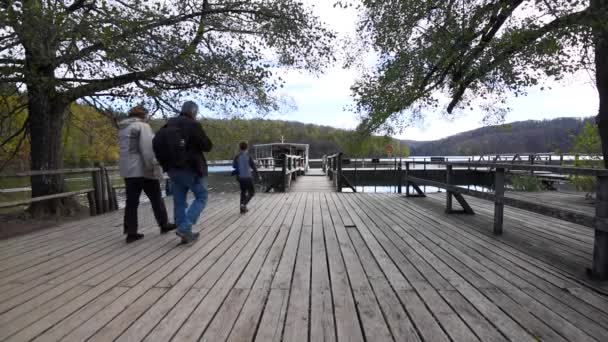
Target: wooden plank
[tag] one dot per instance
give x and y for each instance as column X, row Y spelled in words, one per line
column 282, row 278
column 346, row 315
column 271, row 324
column 370, row 314
column 555, row 298
column 503, row 322
column 322, row 327
column 383, row 251
column 399, row 322
column 297, row 320
column 172, row 310
column 194, row 327
column 74, row 268
column 120, row 273
column 564, row 327
column 35, row 325
column 121, row 322
column 247, row 322
column 221, row 326
column 57, row 332
column 449, row 319
column 39, row 295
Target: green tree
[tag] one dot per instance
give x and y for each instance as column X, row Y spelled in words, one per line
column 588, row 144
column 480, row 50
column 222, row 51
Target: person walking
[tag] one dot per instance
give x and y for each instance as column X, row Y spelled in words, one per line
column 245, row 169
column 140, row 172
column 179, row 146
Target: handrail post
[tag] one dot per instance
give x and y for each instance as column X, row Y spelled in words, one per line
column 407, row 180
column 499, row 189
column 448, row 181
column 98, row 189
column 339, row 183
column 399, row 177
column 284, row 173
column 599, row 268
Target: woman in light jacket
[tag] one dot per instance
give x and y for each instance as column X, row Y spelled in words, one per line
column 141, row 173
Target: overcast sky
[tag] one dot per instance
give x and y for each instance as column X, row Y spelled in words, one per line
column 322, row 100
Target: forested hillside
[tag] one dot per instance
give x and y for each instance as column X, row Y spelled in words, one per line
column 90, row 137
column 227, row 133
column 555, row 135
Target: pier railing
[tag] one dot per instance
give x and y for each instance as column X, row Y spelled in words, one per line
column 101, row 195
column 598, row 222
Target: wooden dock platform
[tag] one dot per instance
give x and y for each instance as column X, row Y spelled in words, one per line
column 307, row 267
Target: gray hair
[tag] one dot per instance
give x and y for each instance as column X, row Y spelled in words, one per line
column 190, row 107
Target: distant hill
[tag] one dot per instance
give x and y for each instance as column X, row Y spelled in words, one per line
column 518, row 137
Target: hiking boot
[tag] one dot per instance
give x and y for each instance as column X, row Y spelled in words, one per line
column 167, row 228
column 134, row 237
column 187, row 238
column 244, row 209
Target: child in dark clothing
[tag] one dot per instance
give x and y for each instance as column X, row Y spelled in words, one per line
column 245, row 170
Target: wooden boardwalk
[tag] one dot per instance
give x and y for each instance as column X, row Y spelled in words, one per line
column 315, row 183
column 306, row 267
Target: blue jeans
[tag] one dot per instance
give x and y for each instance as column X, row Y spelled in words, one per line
column 183, row 181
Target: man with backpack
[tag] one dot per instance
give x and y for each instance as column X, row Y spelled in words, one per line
column 243, row 166
column 179, row 147
column 139, row 170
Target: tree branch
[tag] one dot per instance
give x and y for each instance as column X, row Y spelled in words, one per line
column 527, row 38
column 161, row 23
column 16, row 134
column 117, row 81
column 78, row 4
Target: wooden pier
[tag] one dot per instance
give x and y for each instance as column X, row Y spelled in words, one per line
column 307, row 266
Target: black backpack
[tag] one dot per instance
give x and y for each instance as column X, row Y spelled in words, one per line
column 169, row 145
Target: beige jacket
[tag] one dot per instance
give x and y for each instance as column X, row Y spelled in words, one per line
column 136, row 153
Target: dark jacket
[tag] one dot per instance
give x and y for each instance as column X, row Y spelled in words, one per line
column 245, row 167
column 197, row 142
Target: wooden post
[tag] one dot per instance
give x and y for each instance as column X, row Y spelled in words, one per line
column 112, row 201
column 92, row 204
column 284, row 174
column 448, row 181
column 339, row 180
column 499, row 186
column 407, row 181
column 399, row 177
column 105, row 199
column 96, row 177
column 532, row 157
column 599, row 268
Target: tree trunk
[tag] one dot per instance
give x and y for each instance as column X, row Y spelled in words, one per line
column 600, row 33
column 45, row 126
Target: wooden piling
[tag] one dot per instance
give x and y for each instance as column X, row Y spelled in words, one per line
column 407, row 181
column 399, row 177
column 599, row 268
column 499, row 185
column 339, row 178
column 449, row 195
column 97, row 188
column 92, row 203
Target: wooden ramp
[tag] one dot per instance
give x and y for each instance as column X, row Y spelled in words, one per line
column 312, row 184
column 306, row 267
column 315, row 172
